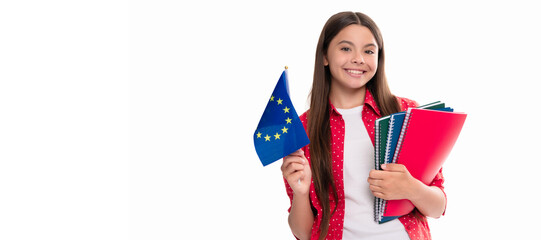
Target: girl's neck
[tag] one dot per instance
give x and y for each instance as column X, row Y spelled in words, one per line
column 347, row 98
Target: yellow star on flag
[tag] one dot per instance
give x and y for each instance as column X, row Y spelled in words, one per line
column 267, row 138
column 277, row 136
column 258, row 135
column 286, row 110
column 288, row 120
column 272, row 98
column 279, row 101
column 284, row 130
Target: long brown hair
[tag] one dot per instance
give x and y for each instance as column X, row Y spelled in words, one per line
column 318, row 117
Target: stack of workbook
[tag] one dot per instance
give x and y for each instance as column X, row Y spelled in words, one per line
column 420, row 139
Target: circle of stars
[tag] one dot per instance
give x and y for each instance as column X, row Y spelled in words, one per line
column 288, row 120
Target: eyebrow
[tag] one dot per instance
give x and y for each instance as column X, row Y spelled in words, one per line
column 350, row 43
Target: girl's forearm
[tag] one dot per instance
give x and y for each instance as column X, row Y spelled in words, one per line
column 301, row 217
column 429, row 200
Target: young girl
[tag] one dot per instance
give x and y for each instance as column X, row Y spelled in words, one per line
column 331, row 182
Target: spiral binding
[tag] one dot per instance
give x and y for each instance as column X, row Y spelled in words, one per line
column 384, row 207
column 381, row 202
column 376, row 152
column 402, row 135
column 389, row 140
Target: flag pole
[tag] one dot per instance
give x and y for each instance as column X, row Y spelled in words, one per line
column 299, row 180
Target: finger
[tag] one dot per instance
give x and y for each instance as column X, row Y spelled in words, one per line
column 393, row 167
column 295, row 167
column 284, row 164
column 299, row 154
column 292, row 168
column 291, row 159
column 379, row 195
column 295, row 178
column 375, row 188
column 376, row 174
column 374, row 182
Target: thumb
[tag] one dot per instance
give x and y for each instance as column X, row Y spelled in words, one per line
column 393, row 167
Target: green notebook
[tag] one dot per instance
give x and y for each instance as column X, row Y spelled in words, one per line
column 381, row 130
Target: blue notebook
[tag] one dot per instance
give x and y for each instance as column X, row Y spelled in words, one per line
column 395, row 126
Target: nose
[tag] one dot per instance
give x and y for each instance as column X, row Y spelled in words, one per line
column 358, row 59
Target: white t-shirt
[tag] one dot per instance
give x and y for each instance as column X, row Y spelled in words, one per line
column 358, row 161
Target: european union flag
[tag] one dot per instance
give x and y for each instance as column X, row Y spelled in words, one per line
column 280, row 131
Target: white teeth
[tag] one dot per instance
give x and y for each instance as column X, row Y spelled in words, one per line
column 355, row 71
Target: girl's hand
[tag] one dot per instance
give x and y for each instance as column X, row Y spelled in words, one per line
column 394, row 182
column 296, row 170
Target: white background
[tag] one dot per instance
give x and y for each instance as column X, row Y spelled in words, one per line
column 134, row 120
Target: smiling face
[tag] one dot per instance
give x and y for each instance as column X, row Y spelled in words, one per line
column 352, row 58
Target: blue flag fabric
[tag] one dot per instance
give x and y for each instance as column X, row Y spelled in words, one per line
column 280, row 131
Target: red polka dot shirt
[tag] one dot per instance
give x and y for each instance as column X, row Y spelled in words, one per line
column 414, row 223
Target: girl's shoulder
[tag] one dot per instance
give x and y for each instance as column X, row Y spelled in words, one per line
column 406, row 103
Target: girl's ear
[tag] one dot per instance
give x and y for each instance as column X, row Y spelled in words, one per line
column 325, row 62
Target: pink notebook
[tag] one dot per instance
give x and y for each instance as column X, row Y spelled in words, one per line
column 426, row 140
